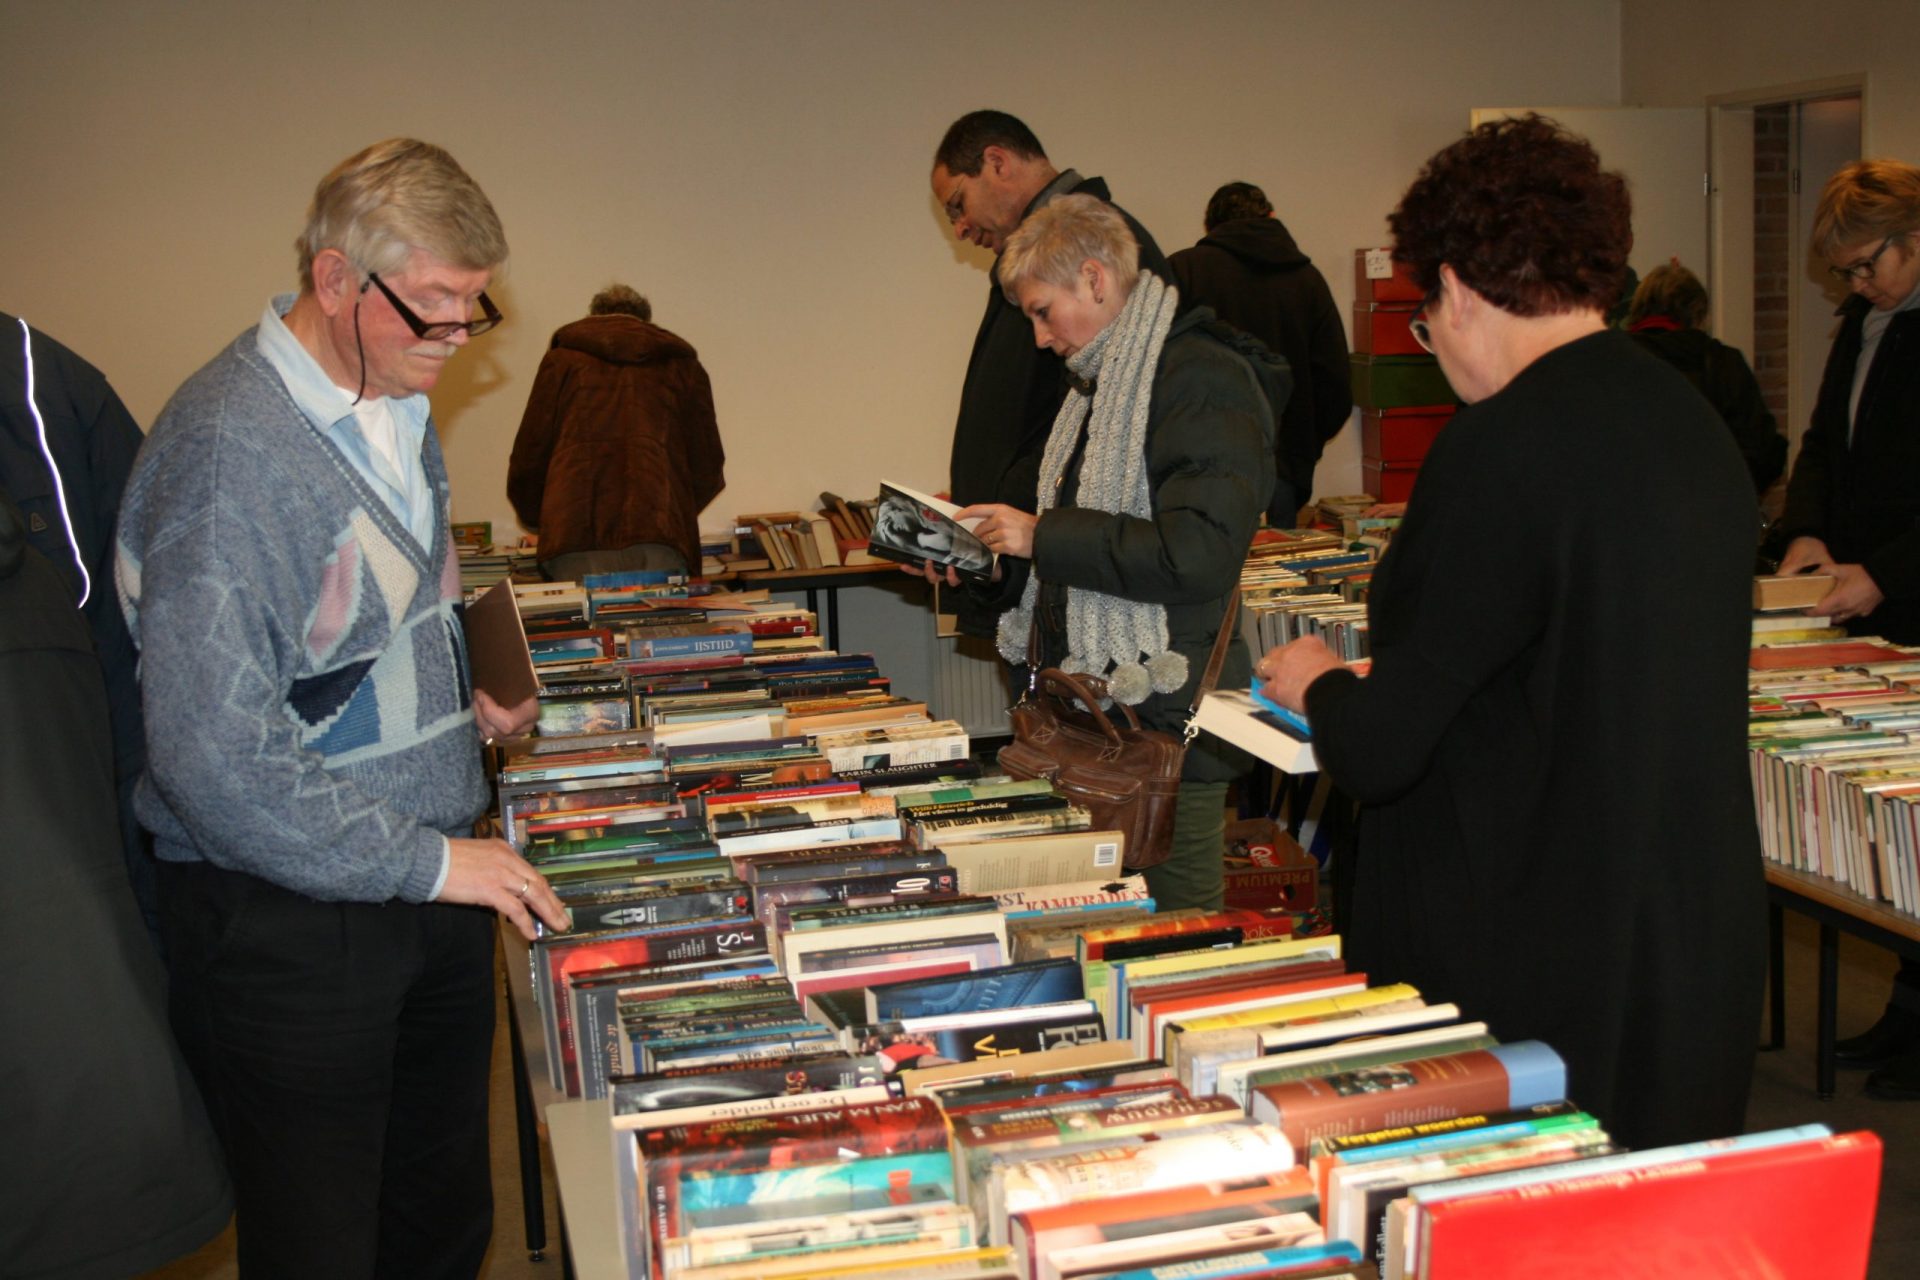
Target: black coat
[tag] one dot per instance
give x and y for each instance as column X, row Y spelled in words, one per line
column 1721, row 374
column 93, row 440
column 1011, row 395
column 109, row 1164
column 1862, row 496
column 1556, row 828
column 1209, row 425
column 1255, row 278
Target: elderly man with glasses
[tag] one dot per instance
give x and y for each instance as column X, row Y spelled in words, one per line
column 313, row 770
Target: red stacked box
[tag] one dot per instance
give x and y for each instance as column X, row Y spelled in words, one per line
column 1393, row 439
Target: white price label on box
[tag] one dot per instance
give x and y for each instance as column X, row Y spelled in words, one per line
column 1379, row 264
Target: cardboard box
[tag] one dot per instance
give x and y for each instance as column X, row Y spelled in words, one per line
column 1401, row 435
column 1378, row 278
column 1267, row 870
column 1385, row 330
column 1398, row 382
column 1388, row 481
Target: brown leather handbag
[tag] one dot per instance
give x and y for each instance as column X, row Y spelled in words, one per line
column 1126, row 774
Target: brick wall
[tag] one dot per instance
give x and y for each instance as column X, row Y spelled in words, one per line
column 1772, row 256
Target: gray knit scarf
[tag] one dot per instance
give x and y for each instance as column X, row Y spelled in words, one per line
column 1124, row 640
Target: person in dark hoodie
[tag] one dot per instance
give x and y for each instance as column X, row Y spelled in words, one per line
column 618, row 450
column 1249, row 270
column 1669, row 306
column 990, row 174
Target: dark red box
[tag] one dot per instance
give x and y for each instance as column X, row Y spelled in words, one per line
column 1401, row 435
column 1384, row 331
column 1388, row 481
column 1377, row 278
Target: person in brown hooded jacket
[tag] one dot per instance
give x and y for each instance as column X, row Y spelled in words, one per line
column 618, row 450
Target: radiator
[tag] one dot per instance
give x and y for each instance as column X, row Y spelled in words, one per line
column 969, row 685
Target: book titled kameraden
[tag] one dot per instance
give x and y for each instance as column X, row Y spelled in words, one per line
column 916, row 528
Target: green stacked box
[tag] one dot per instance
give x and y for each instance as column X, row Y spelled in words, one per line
column 1398, row 382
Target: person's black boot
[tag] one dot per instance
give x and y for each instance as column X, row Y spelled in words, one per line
column 1898, row 1081
column 1896, row 1034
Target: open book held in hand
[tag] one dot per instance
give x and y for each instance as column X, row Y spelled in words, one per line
column 914, row 528
column 1255, row 724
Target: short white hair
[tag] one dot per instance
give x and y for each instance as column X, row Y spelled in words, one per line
column 379, row 205
column 1053, row 242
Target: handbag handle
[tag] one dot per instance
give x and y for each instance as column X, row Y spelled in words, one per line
column 1087, row 691
column 1208, row 679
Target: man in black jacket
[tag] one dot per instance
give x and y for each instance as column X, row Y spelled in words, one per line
column 1249, row 270
column 989, row 173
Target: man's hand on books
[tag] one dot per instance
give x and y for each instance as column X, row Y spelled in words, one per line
column 488, row 873
column 1007, row 531
column 1855, row 594
column 496, row 721
column 1286, row 672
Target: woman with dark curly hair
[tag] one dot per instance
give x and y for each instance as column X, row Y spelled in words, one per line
column 1556, row 828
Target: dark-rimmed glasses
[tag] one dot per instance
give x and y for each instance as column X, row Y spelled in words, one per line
column 1863, row 269
column 490, row 315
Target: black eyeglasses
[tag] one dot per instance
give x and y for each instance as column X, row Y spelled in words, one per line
column 490, row 315
column 1862, row 270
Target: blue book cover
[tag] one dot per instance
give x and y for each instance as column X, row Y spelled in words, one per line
column 1003, row 987
column 1291, row 722
column 632, row 578
column 713, row 644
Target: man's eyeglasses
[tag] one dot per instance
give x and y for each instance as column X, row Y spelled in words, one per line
column 489, row 315
column 1422, row 331
column 954, row 206
column 1861, row 270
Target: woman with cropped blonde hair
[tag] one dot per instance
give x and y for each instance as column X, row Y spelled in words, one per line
column 1151, row 483
column 1853, row 504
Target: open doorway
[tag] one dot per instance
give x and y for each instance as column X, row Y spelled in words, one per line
column 1771, row 153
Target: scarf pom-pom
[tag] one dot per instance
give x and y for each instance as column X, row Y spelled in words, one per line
column 1010, row 637
column 1168, row 671
column 1129, row 683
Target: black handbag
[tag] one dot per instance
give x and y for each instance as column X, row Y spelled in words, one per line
column 1127, row 775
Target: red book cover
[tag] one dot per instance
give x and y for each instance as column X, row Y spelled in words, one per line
column 1801, row 1211
column 1843, row 653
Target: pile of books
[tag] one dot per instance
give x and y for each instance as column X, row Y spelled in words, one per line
column 1834, row 743
column 874, row 1015
column 1301, row 582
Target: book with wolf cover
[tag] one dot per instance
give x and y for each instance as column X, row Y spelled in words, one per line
column 915, row 528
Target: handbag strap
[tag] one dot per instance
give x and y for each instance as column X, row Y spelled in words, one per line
column 1218, row 658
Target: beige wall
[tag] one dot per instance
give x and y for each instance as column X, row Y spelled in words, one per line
column 758, row 168
column 1680, row 54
